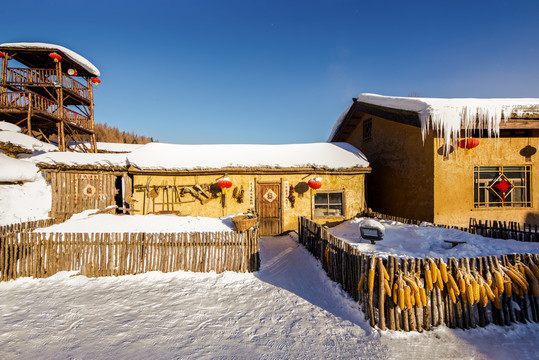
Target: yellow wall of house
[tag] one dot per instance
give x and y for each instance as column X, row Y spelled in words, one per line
column 454, row 185
column 353, row 186
column 401, row 182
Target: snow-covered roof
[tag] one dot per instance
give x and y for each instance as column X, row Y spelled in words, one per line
column 448, row 116
column 158, row 156
column 73, row 56
column 81, row 160
column 14, row 170
column 108, row 147
column 5, row 126
column 25, row 141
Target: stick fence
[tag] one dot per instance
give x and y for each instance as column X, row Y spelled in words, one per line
column 427, row 303
column 40, row 255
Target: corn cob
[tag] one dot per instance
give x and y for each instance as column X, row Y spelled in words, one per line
column 517, row 278
column 489, row 278
column 483, row 295
column 407, row 296
column 387, row 288
column 535, row 288
column 386, row 275
column 535, row 269
column 433, row 272
column 443, row 271
column 499, row 281
column 490, row 293
column 469, row 291
column 361, row 282
column 530, row 274
column 395, row 293
column 508, row 288
column 411, row 283
column 452, row 294
column 462, row 285
column 371, row 279
column 453, row 284
column 476, row 291
column 428, row 278
column 439, row 280
column 401, row 298
column 423, row 295
column 496, row 302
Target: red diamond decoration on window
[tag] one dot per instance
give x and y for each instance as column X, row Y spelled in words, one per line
column 501, row 186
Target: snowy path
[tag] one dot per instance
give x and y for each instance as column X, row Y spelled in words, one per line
column 288, row 310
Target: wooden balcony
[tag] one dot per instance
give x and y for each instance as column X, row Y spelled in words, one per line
column 17, row 105
column 45, row 82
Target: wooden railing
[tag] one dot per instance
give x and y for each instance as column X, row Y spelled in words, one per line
column 40, row 255
column 21, row 100
column 21, row 77
column 403, row 294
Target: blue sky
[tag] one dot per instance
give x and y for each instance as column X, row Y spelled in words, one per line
column 232, row 71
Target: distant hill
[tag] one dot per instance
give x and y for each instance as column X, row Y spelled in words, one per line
column 106, row 133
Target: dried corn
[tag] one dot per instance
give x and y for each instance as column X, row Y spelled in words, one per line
column 371, row 279
column 361, row 282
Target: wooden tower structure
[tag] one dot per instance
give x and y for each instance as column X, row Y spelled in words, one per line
column 47, row 90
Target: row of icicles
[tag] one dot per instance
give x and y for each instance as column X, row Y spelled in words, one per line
column 410, row 290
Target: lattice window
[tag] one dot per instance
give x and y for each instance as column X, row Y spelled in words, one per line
column 329, row 204
column 367, row 130
column 502, row 186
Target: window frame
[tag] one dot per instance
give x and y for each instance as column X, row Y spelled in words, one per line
column 367, row 130
column 343, row 204
column 482, row 194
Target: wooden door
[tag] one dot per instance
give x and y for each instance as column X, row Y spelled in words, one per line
column 269, row 208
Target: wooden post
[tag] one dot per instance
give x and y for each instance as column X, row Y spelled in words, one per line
column 60, row 110
column 381, row 295
column 4, row 73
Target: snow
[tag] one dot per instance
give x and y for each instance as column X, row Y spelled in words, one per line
column 25, row 141
column 154, row 156
column 448, row 116
column 75, row 159
column 5, row 126
column 288, row 310
column 108, row 147
column 85, row 222
column 421, row 241
column 26, row 202
column 14, row 170
column 73, row 56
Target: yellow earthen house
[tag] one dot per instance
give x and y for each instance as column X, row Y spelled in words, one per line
column 447, row 160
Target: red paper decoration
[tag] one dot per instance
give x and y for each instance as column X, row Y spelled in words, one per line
column 469, row 143
column 96, row 81
column 224, row 184
column 56, row 57
column 72, row 72
column 503, row 186
column 315, row 184
column 2, row 55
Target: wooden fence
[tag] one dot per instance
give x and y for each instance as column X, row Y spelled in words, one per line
column 25, row 226
column 40, row 255
column 488, row 228
column 418, row 294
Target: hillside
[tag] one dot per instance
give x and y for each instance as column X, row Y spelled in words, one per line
column 106, row 133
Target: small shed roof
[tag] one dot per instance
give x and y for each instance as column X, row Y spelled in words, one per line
column 173, row 157
column 81, row 161
column 35, row 55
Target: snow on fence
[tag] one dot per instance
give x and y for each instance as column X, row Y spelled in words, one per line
column 488, row 228
column 40, row 255
column 417, row 294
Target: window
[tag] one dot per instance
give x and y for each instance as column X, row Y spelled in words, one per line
column 329, row 204
column 367, row 130
column 502, row 186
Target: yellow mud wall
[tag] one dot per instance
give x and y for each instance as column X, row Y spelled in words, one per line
column 353, row 186
column 401, row 182
column 454, row 185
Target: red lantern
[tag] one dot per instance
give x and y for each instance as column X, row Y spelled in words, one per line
column 315, row 184
column 56, row 57
column 224, row 183
column 469, row 143
column 2, row 55
column 96, row 81
column 72, row 72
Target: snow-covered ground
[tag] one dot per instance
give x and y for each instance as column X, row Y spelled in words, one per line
column 421, row 241
column 287, row 310
column 85, row 222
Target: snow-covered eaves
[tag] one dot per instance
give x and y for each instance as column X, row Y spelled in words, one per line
column 25, row 142
column 17, row 171
column 448, row 116
column 81, row 161
column 107, row 147
column 73, row 56
column 173, row 157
